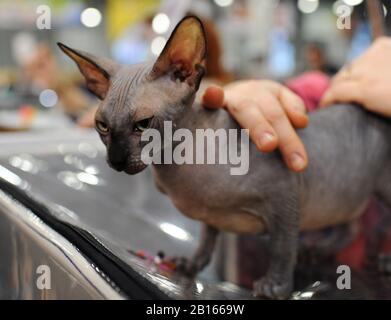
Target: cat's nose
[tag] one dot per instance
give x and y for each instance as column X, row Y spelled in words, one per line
column 117, row 157
column 119, row 166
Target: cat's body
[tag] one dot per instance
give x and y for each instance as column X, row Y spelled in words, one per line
column 350, row 162
column 347, row 167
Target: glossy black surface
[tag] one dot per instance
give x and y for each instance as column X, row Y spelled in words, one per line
column 67, row 171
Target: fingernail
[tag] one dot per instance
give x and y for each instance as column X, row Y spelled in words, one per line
column 297, row 162
column 266, row 138
column 300, row 108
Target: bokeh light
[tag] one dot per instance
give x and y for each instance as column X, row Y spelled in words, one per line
column 161, row 23
column 157, row 45
column 91, row 17
column 308, row 6
column 48, row 98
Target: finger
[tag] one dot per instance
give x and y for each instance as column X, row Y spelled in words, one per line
column 290, row 145
column 213, row 97
column 249, row 116
column 294, row 108
column 344, row 74
column 348, row 91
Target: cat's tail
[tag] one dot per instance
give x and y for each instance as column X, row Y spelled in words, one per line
column 376, row 18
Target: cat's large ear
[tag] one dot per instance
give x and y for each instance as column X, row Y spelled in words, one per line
column 96, row 71
column 183, row 57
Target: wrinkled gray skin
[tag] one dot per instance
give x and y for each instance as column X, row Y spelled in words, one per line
column 348, row 150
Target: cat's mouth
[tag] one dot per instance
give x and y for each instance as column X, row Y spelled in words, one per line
column 135, row 167
column 129, row 167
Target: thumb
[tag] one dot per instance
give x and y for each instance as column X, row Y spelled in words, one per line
column 342, row 92
column 213, row 97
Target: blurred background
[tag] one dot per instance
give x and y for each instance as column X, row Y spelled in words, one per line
column 44, row 103
column 276, row 39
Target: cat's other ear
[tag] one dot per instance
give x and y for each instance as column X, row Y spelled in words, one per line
column 183, row 57
column 96, row 71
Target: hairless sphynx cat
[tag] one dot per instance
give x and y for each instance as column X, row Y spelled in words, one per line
column 349, row 151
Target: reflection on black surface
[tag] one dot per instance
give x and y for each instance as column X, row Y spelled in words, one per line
column 129, row 215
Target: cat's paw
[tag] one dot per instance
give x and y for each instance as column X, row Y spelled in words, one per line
column 185, row 266
column 384, row 264
column 268, row 287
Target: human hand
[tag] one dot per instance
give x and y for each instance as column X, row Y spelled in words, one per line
column 270, row 111
column 365, row 81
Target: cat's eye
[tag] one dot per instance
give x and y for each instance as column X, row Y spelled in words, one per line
column 142, row 125
column 102, row 127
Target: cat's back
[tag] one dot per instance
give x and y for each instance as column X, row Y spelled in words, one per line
column 348, row 148
column 341, row 134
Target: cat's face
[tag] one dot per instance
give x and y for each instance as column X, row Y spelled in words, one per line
column 143, row 96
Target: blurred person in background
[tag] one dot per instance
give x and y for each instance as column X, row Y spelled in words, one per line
column 40, row 71
column 316, row 59
column 215, row 72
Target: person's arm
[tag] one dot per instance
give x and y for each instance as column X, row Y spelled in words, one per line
column 366, row 80
column 272, row 111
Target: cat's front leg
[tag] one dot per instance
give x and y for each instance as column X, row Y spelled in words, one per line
column 283, row 227
column 201, row 258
